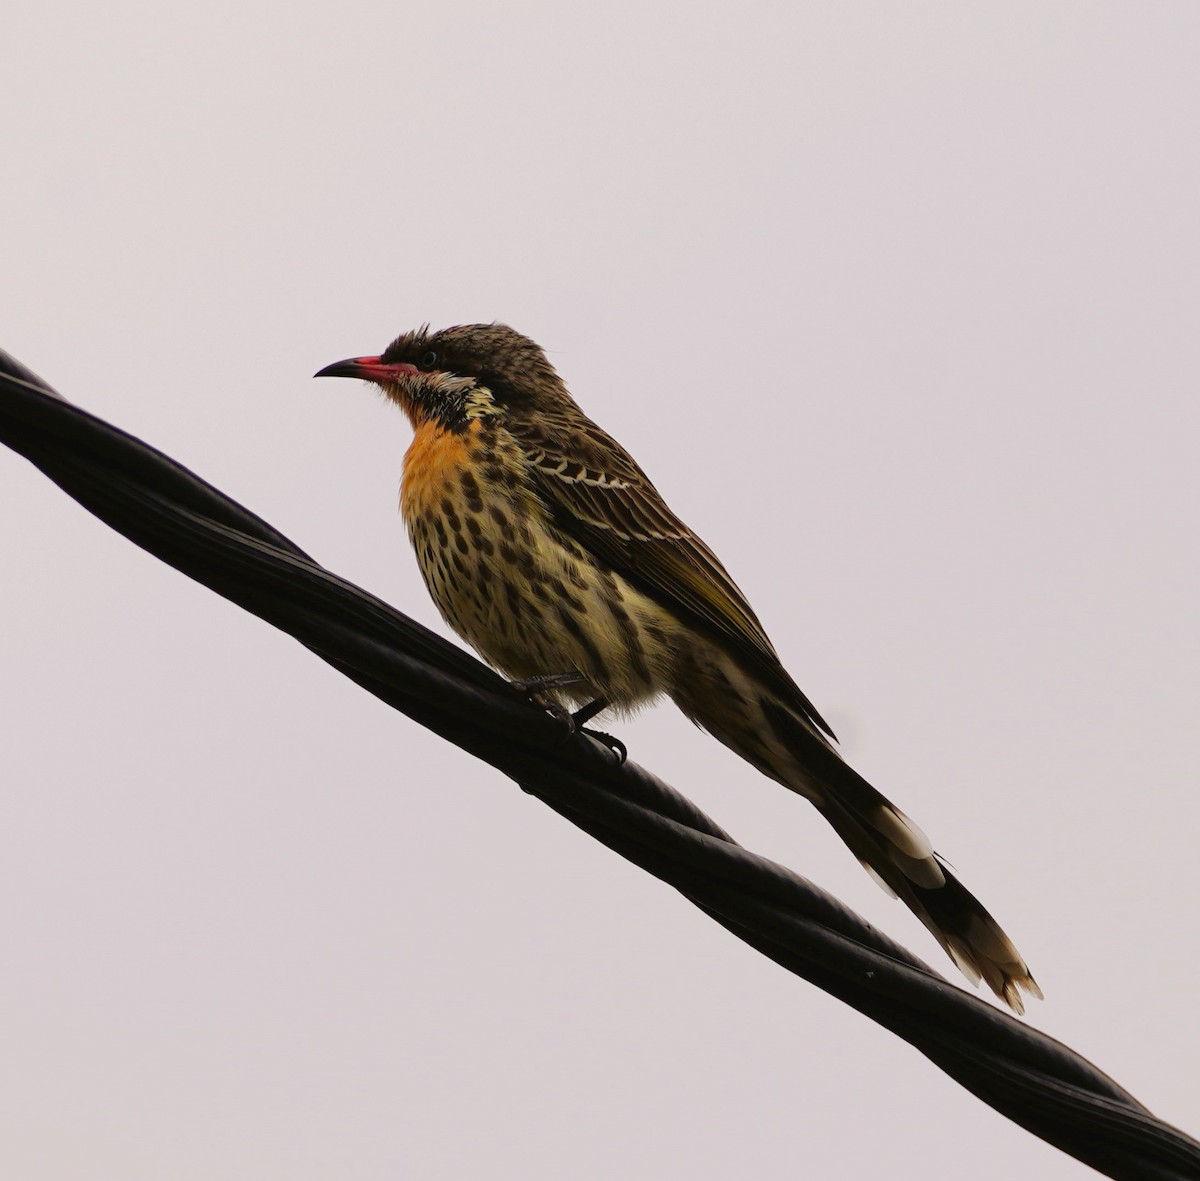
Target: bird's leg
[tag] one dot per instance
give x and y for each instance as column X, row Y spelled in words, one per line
column 536, row 688
column 585, row 713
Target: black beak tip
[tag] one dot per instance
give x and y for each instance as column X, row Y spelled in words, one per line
column 339, row 369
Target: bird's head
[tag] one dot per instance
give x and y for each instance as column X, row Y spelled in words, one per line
column 459, row 374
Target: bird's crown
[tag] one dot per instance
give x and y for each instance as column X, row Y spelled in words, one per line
column 513, row 367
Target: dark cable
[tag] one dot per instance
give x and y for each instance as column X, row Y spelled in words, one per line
column 1034, row 1080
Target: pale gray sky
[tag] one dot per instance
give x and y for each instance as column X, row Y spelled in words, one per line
column 914, row 286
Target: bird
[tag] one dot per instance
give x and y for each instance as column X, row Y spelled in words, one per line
column 547, row 548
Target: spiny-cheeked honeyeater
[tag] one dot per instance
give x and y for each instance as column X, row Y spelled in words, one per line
column 548, row 550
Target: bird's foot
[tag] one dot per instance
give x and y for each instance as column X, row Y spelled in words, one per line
column 536, row 689
column 585, row 713
column 614, row 744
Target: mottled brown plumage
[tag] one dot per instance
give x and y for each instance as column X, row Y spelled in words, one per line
column 548, row 549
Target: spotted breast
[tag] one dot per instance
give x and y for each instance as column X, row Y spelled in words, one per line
column 511, row 584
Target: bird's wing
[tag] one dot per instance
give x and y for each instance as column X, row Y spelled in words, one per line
column 599, row 496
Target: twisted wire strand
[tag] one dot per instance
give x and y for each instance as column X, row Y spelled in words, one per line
column 1036, row 1081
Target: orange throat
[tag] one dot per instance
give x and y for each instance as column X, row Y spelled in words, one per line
column 433, row 467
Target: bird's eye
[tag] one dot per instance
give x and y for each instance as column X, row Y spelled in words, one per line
column 428, row 361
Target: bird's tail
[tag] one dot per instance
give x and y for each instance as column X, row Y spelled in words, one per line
column 783, row 741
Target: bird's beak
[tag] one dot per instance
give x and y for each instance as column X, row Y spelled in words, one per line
column 367, row 368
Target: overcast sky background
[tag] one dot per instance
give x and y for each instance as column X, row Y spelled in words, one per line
column 914, row 288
